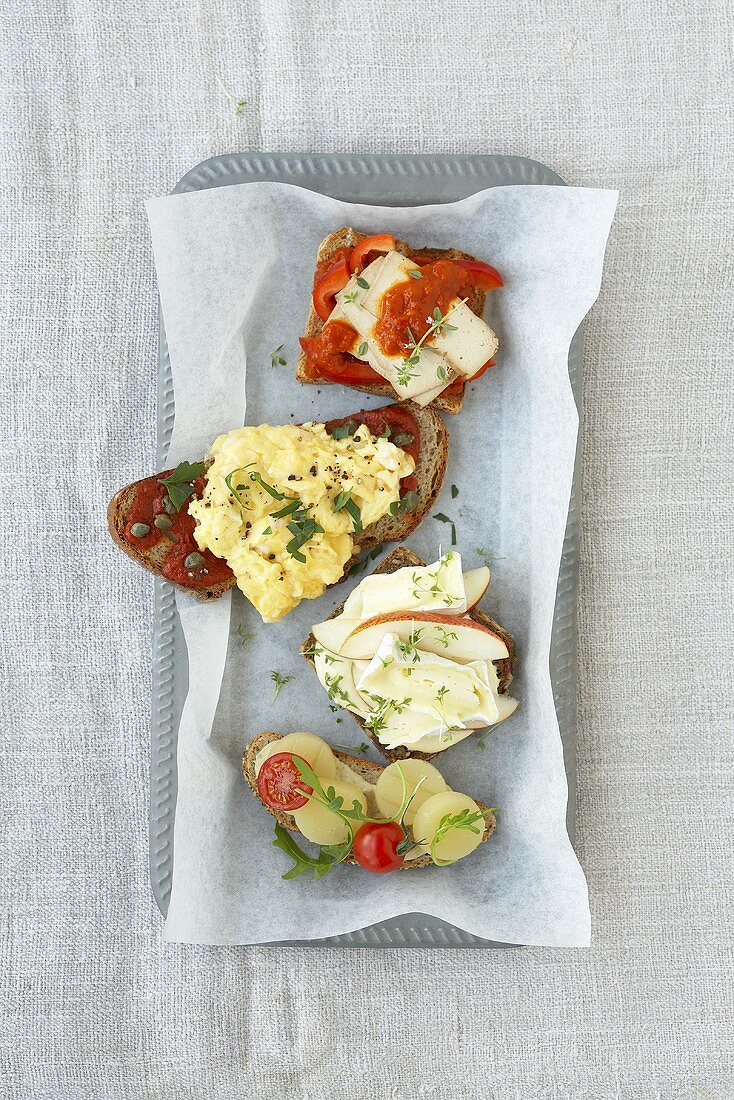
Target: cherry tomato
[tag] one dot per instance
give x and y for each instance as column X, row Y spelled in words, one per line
column 376, row 847
column 380, row 242
column 331, row 282
column 485, row 276
column 279, row 783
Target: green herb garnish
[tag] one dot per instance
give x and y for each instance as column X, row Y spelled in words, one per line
column 275, row 493
column 466, row 819
column 438, row 325
column 343, row 430
column 179, row 482
column 276, row 359
column 344, row 500
column 303, row 527
column 415, row 273
column 244, row 636
column 487, row 557
column 406, row 503
column 287, row 509
column 363, row 283
column 351, row 295
column 279, row 681
column 445, row 519
column 454, row 492
column 362, row 349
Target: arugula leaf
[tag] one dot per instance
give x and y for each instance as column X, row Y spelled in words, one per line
column 320, row 866
column 179, row 484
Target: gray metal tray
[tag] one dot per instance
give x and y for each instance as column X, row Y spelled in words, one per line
column 386, row 181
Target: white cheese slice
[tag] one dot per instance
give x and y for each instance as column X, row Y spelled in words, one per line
column 425, row 588
column 394, row 270
column 415, row 683
column 470, row 346
column 425, row 398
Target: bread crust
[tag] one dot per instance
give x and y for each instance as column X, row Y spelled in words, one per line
column 400, row 557
column 429, row 473
column 346, row 237
column 368, row 769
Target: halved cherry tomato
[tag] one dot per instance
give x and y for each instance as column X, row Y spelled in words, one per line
column 331, row 282
column 380, row 242
column 485, row 276
column 279, row 783
column 376, row 847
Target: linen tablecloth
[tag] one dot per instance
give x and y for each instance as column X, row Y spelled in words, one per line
column 106, row 104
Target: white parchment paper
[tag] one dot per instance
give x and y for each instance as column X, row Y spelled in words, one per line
column 235, row 266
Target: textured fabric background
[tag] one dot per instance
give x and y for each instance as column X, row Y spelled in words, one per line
column 106, row 103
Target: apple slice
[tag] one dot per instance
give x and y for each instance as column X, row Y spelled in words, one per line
column 453, row 636
column 476, row 583
column 506, row 706
column 333, row 633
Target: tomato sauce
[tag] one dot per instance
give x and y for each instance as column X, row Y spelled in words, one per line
column 149, row 503
column 400, row 422
column 410, row 305
column 326, row 353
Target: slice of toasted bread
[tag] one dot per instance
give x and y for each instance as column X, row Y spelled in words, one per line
column 365, row 768
column 429, row 474
column 348, row 238
column 398, row 559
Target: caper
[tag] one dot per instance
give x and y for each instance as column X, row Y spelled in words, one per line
column 193, row 561
column 169, row 506
column 163, row 523
column 140, row 530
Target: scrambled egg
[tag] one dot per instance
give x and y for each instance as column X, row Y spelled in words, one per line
column 279, row 561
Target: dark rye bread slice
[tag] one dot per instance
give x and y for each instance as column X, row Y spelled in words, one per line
column 398, row 559
column 368, row 770
column 348, row 238
column 429, row 473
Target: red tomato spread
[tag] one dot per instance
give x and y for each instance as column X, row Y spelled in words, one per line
column 177, row 532
column 411, row 304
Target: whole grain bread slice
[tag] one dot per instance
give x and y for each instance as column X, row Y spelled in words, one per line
column 429, row 474
column 367, row 769
column 346, row 237
column 398, row 559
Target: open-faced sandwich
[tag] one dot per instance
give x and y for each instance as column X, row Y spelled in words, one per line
column 390, row 319
column 283, row 511
column 413, row 659
column 383, row 818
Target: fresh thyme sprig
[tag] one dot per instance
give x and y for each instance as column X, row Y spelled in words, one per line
column 276, row 359
column 438, row 325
